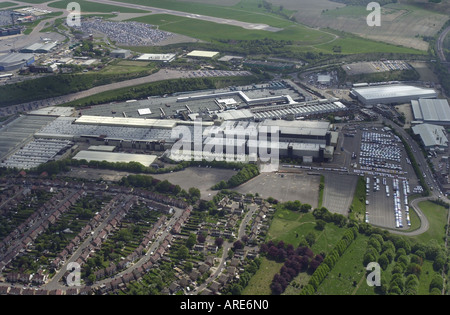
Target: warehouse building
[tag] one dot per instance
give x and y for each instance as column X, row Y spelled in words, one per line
column 432, row 111
column 202, row 54
column 120, row 53
column 10, row 31
column 390, row 94
column 246, row 141
column 15, row 61
column 433, row 137
column 39, row 48
column 157, row 57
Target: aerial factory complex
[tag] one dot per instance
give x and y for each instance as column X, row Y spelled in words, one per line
column 234, row 148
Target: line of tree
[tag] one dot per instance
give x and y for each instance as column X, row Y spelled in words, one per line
column 58, row 85
column 325, row 215
column 330, row 261
column 247, row 172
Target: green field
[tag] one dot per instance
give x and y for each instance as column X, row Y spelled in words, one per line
column 7, row 4
column 246, row 10
column 348, row 276
column 211, row 32
column 35, row 1
column 259, row 284
column 88, row 6
column 437, row 217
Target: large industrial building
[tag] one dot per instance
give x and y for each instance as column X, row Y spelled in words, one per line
column 390, row 94
column 274, row 100
column 39, row 48
column 433, row 137
column 120, row 53
column 237, row 123
column 156, row 57
column 202, row 54
column 432, row 111
column 15, row 61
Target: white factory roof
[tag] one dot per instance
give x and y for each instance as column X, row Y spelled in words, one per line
column 431, row 110
column 380, row 92
column 236, row 114
column 431, row 135
column 156, row 57
column 126, row 122
column 203, row 53
column 296, row 127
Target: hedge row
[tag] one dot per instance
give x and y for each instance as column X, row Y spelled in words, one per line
column 330, row 261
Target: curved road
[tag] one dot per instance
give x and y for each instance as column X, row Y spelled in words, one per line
column 440, row 44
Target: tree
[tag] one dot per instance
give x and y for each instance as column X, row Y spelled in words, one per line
column 194, row 193
column 182, row 252
column 218, row 241
column 310, row 238
column 320, row 225
column 191, row 241
column 238, row 245
column 436, row 283
column 305, row 207
column 383, row 261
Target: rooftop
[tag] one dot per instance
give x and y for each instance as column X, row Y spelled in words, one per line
column 431, row 110
column 432, row 135
column 393, row 91
column 203, row 53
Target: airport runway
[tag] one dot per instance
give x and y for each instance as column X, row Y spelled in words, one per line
column 245, row 25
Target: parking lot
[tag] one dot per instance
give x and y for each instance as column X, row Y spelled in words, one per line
column 284, row 187
column 338, row 192
column 378, row 155
column 387, row 203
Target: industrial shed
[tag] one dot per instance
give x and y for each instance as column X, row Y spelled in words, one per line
column 390, row 94
column 433, row 137
column 432, row 111
column 14, row 61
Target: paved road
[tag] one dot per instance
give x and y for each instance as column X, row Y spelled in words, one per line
column 162, row 74
column 440, row 46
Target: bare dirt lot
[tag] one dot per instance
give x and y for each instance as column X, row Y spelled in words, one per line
column 200, row 177
column 284, row 187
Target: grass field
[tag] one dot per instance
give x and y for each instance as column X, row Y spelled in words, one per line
column 209, row 31
column 7, row 4
column 259, row 284
column 348, row 275
column 128, row 66
column 437, row 218
column 87, row 6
